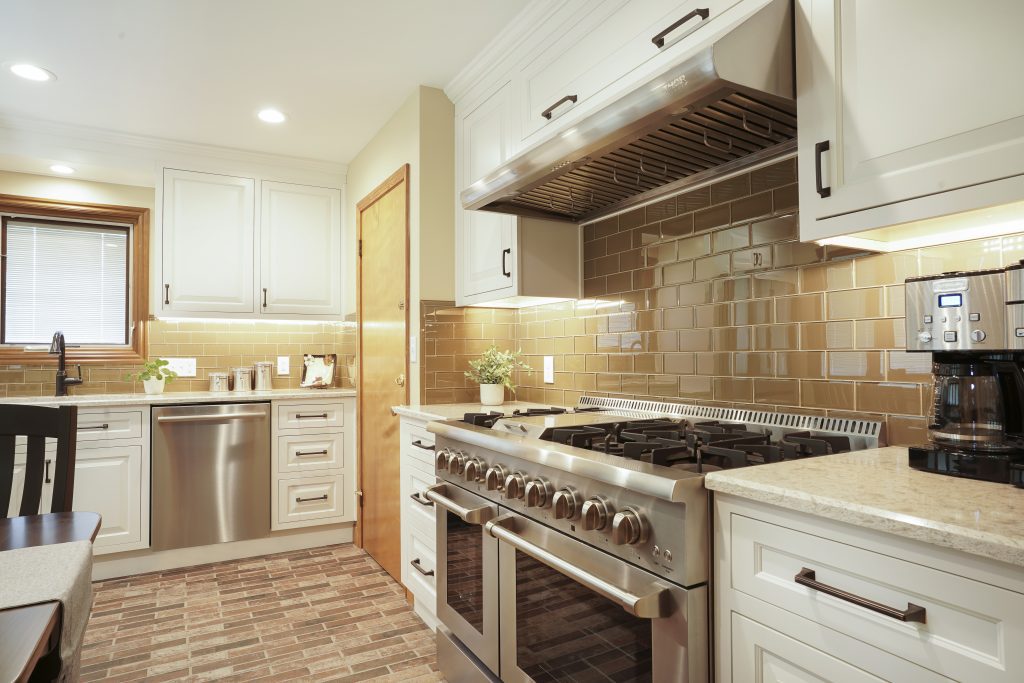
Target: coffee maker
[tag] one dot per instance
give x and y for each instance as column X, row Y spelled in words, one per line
column 972, row 323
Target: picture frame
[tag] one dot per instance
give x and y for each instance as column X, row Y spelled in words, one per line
column 318, row 370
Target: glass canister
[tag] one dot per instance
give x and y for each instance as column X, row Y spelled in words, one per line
column 967, row 408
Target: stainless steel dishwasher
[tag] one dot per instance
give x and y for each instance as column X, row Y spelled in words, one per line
column 211, row 474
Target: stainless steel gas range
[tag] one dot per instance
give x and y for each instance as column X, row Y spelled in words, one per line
column 573, row 545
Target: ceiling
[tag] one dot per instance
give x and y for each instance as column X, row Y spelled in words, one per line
column 198, row 71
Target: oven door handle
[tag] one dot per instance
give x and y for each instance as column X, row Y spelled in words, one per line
column 652, row 604
column 469, row 515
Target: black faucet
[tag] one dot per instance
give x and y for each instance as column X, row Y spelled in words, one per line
column 63, row 381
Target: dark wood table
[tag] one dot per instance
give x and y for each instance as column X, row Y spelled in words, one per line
column 30, row 635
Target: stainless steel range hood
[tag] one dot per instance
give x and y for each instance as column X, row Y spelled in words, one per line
column 728, row 105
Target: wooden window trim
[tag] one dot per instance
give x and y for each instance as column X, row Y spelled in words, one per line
column 138, row 218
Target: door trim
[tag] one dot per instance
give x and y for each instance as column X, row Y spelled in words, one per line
column 392, row 181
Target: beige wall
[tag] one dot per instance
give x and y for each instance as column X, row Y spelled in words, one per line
column 73, row 190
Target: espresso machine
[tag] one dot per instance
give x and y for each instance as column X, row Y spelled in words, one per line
column 972, row 323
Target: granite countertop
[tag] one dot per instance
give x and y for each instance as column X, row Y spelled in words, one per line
column 449, row 411
column 110, row 400
column 877, row 489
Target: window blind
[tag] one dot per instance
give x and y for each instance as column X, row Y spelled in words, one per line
column 72, row 278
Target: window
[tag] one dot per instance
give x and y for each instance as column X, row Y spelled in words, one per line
column 65, row 276
column 79, row 268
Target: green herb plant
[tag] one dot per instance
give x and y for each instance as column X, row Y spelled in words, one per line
column 496, row 367
column 153, row 369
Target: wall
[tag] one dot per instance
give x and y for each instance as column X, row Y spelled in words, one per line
column 709, row 297
column 74, row 190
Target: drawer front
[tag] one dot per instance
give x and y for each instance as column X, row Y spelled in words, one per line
column 310, row 498
column 420, row 572
column 310, row 452
column 96, row 425
column 419, row 515
column 310, row 415
column 418, row 446
column 969, row 627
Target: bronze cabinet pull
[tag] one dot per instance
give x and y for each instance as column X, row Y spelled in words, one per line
column 46, row 477
column 425, row 446
column 420, row 499
column 87, row 428
column 819, row 149
column 911, row 613
column 304, row 454
column 659, row 40
column 167, row 294
column 264, row 297
column 505, row 253
column 419, row 567
column 306, row 500
column 300, row 416
column 551, row 110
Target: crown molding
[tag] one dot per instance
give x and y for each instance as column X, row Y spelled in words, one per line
column 504, row 46
column 147, row 148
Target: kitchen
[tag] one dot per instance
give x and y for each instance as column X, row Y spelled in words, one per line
column 716, row 233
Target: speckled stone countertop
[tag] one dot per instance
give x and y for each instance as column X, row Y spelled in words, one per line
column 450, row 411
column 172, row 397
column 878, row 490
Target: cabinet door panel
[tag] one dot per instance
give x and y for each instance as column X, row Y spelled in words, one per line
column 914, row 98
column 208, row 243
column 108, row 480
column 300, row 249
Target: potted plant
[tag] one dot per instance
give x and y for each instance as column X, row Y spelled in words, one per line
column 154, row 375
column 493, row 372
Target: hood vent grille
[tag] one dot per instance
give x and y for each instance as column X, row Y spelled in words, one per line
column 695, row 143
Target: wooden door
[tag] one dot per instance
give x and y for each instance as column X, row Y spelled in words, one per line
column 208, row 243
column 300, row 249
column 383, row 218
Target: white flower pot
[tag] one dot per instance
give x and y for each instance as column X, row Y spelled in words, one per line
column 154, row 386
column 492, row 394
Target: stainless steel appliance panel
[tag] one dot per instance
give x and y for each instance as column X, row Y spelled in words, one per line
column 570, row 611
column 211, row 474
column 458, row 664
column 959, row 312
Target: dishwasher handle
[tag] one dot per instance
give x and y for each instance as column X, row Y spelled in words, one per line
column 219, row 417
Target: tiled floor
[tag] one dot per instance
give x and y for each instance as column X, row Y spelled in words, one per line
column 317, row 615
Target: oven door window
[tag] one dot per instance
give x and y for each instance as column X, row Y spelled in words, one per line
column 567, row 632
column 465, row 570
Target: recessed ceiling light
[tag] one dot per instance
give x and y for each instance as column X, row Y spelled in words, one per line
column 32, row 72
column 62, row 169
column 271, row 116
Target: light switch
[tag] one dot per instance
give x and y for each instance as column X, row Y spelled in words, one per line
column 282, row 365
column 184, row 367
column 549, row 369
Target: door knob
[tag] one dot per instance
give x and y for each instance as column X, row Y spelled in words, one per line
column 400, row 380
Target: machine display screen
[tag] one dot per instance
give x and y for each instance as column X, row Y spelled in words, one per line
column 951, row 300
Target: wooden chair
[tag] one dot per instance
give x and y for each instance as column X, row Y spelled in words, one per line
column 38, row 424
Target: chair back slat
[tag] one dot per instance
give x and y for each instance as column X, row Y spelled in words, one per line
column 6, row 472
column 38, row 424
column 32, row 491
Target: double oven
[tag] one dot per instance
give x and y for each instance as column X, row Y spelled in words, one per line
column 520, row 600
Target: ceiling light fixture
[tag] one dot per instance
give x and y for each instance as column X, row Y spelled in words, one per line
column 32, row 72
column 271, row 116
column 63, row 169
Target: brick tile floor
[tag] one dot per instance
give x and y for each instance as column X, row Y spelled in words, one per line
column 315, row 615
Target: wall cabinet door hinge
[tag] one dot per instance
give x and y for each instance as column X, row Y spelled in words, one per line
column 360, row 248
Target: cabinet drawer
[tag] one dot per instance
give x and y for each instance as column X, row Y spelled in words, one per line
column 418, row 448
column 310, row 498
column 306, row 452
column 968, row 629
column 421, row 571
column 310, row 415
column 96, row 425
column 418, row 514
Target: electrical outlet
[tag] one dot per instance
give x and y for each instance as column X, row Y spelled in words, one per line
column 549, row 369
column 282, row 365
column 184, row 367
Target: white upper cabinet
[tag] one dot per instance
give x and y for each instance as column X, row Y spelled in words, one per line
column 300, row 249
column 207, row 246
column 217, row 262
column 907, row 110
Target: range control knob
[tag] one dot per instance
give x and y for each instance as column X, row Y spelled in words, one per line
column 595, row 514
column 474, row 469
column 456, row 462
column 924, row 337
column 494, row 479
column 514, row 485
column 629, row 527
column 566, row 504
column 441, row 459
column 538, row 494
column 978, row 335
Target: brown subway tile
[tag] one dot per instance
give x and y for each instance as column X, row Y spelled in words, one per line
column 649, row 320
column 606, row 265
column 693, row 200
column 620, row 362
column 710, row 218
column 659, row 211
column 815, row 394
column 674, row 273
column 908, row 367
column 711, row 267
column 731, row 289
column 906, row 431
column 752, row 312
column 981, row 254
column 649, row 362
column 801, row 364
column 589, row 232
column 582, row 381
column 678, row 318
column 631, row 259
column 695, row 387
column 606, row 343
column 634, row 384
column 607, row 382
column 730, row 238
column 713, row 315
column 632, row 219
column 889, row 333
column 693, row 247
column 665, row 297
column 585, row 344
column 619, row 282
column 797, row 254
column 713, row 363
column 733, row 339
column 856, row 303
column 758, row 258
column 862, row 365
column 678, row 226
column 679, row 363
column 734, row 389
column 775, row 283
column 786, row 198
column 834, row 335
column 886, row 269
column 778, row 391
column 646, row 278
column 694, row 340
column 754, row 364
column 776, row 175
column 730, row 188
column 775, row 229
column 895, row 300
column 619, row 242
column 645, row 235
column 576, row 362
column 777, row 337
column 663, row 385
column 889, row 397
column 827, row 277
column 754, row 206
column 608, row 226
column 694, row 293
column 595, row 249
column 594, row 287
column 660, row 253
column 801, row 308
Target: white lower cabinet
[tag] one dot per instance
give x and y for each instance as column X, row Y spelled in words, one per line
column 313, row 470
column 906, row 611
column 108, row 480
column 419, row 534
